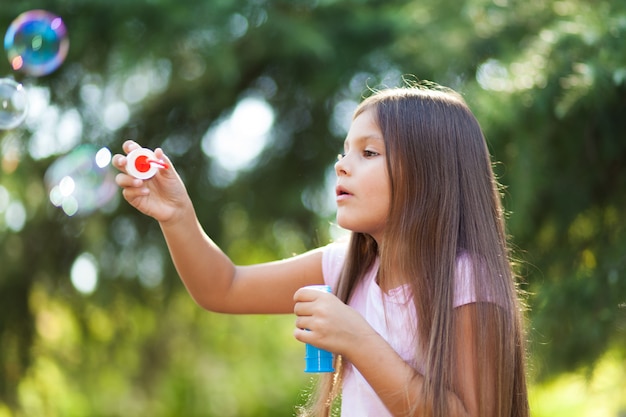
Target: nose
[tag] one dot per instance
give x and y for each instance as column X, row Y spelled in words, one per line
column 341, row 166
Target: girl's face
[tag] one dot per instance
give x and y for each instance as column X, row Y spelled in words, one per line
column 363, row 189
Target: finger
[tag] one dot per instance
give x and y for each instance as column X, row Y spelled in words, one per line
column 131, row 194
column 119, row 161
column 127, row 181
column 306, row 294
column 301, row 323
column 160, row 155
column 308, row 325
column 303, row 309
column 158, row 152
column 302, row 335
column 130, row 145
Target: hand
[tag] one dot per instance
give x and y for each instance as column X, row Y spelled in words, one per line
column 330, row 324
column 163, row 196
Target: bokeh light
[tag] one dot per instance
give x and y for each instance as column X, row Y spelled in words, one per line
column 13, row 104
column 84, row 274
column 36, row 43
column 81, row 181
column 236, row 141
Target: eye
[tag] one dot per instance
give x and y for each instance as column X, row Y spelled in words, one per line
column 369, row 154
column 340, row 156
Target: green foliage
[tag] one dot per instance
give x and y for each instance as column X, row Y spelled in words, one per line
column 547, row 80
column 562, row 145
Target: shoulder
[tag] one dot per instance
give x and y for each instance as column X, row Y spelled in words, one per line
column 333, row 258
column 335, row 250
column 334, row 255
column 465, row 280
column 471, row 281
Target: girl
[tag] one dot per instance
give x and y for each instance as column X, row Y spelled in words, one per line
column 425, row 318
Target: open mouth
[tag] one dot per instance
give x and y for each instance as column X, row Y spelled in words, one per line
column 340, row 191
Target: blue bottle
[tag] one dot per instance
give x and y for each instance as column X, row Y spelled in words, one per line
column 316, row 359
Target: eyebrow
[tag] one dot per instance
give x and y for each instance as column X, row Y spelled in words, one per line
column 366, row 138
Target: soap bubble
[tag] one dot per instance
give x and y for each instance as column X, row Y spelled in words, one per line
column 13, row 104
column 81, row 181
column 36, row 42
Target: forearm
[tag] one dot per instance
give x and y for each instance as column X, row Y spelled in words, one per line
column 216, row 284
column 205, row 270
column 397, row 384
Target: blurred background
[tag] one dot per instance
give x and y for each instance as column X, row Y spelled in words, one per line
column 252, row 100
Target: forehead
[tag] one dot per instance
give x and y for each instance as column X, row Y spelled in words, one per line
column 364, row 128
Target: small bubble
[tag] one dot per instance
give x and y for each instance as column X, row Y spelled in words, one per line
column 36, row 42
column 13, row 104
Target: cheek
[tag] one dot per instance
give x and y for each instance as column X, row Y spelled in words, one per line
column 380, row 189
column 379, row 197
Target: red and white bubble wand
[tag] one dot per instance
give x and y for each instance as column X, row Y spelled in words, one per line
column 143, row 164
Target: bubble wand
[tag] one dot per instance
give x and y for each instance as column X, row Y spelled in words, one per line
column 143, row 164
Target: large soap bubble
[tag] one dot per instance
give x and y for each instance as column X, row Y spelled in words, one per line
column 36, row 43
column 13, row 104
column 81, row 181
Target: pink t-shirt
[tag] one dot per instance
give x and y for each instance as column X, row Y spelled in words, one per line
column 390, row 319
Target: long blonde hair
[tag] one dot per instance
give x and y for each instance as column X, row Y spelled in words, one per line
column 445, row 202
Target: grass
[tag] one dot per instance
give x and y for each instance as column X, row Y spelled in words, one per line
column 601, row 394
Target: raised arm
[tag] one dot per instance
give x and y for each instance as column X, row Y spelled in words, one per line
column 210, row 277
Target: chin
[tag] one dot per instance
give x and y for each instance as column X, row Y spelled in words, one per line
column 344, row 222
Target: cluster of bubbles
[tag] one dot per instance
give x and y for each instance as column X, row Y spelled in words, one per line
column 36, row 44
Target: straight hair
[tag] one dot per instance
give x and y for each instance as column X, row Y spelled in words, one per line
column 444, row 206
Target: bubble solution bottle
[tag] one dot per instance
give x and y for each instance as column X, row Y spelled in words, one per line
column 316, row 359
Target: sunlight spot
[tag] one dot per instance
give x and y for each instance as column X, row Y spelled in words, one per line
column 15, row 216
column 136, row 88
column 84, row 274
column 90, row 94
column 55, row 132
column 4, row 199
column 116, row 115
column 150, row 267
column 236, row 141
column 492, row 75
column 342, row 117
column 237, row 25
column 103, row 157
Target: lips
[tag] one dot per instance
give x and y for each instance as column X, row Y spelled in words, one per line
column 341, row 192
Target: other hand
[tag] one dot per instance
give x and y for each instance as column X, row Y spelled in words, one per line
column 330, row 324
